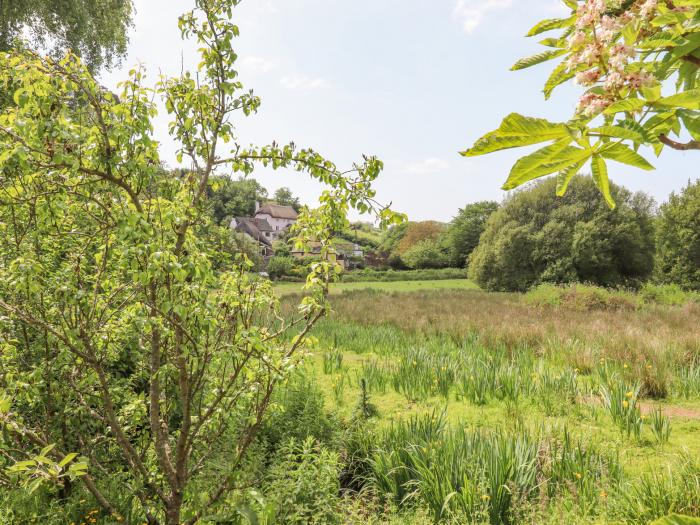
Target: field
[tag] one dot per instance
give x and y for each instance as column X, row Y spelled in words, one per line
column 485, row 408
column 389, row 287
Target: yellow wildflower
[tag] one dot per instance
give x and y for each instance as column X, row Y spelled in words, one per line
column 625, row 403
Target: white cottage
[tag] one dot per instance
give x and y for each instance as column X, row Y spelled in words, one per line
column 278, row 217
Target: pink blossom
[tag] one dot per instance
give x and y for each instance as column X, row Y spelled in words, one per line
column 577, row 39
column 640, row 80
column 591, row 104
column 648, row 9
column 620, row 55
column 591, row 54
column 614, row 81
column 587, row 78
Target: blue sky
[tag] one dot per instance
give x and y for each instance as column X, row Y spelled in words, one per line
column 410, row 81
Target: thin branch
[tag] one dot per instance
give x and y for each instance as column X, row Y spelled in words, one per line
column 680, row 146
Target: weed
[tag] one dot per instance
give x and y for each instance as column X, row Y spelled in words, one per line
column 660, row 426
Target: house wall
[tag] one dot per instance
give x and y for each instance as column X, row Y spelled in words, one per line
column 278, row 225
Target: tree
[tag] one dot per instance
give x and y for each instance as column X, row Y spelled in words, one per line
column 417, row 232
column 640, row 64
column 284, row 197
column 424, row 254
column 463, row 233
column 538, row 237
column 678, row 239
column 95, row 31
column 130, row 363
column 231, row 198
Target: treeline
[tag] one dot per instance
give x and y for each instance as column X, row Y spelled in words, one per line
column 535, row 237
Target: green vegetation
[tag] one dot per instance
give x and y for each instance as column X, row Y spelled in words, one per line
column 678, row 244
column 94, row 31
column 388, row 286
column 538, row 237
column 541, row 420
column 639, row 64
column 138, row 359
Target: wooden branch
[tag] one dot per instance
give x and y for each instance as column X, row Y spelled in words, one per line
column 680, row 146
column 692, row 59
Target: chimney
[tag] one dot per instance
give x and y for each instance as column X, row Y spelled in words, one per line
column 257, row 206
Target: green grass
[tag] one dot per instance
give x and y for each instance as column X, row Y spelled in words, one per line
column 283, row 289
column 434, row 352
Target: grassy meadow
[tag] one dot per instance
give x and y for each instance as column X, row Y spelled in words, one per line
column 502, row 409
column 283, row 289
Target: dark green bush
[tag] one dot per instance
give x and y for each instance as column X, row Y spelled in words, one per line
column 538, row 237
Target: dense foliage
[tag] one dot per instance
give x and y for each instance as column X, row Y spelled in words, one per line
column 639, row 61
column 539, row 237
column 678, row 240
column 284, row 197
column 135, row 366
column 465, row 230
column 95, row 31
column 229, row 198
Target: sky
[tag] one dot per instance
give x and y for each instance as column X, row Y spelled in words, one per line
column 412, row 82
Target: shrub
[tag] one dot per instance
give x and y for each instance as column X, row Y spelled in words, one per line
column 280, row 266
column 299, row 415
column 582, row 297
column 667, row 294
column 303, row 483
column 425, row 254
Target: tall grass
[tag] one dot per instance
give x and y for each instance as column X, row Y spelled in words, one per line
column 459, row 473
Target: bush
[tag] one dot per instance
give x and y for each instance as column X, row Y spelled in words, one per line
column 582, row 297
column 280, row 266
column 667, row 294
column 303, row 483
column 299, row 415
column 537, row 237
column 425, row 254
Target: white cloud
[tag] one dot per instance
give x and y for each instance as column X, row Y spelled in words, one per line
column 426, row 166
column 472, row 12
column 258, row 64
column 302, row 82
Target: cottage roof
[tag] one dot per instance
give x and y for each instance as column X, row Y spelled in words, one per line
column 278, row 212
column 255, row 228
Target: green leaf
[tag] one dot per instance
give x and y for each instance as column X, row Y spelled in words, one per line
column 630, row 32
column 554, row 42
column 624, row 154
column 69, row 457
column 625, row 105
column 46, row 450
column 670, row 18
column 565, row 176
column 515, row 131
column 545, row 161
column 676, row 519
column 692, row 124
column 559, row 75
column 688, row 99
column 620, row 133
column 551, row 23
column 524, row 63
column 600, row 175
